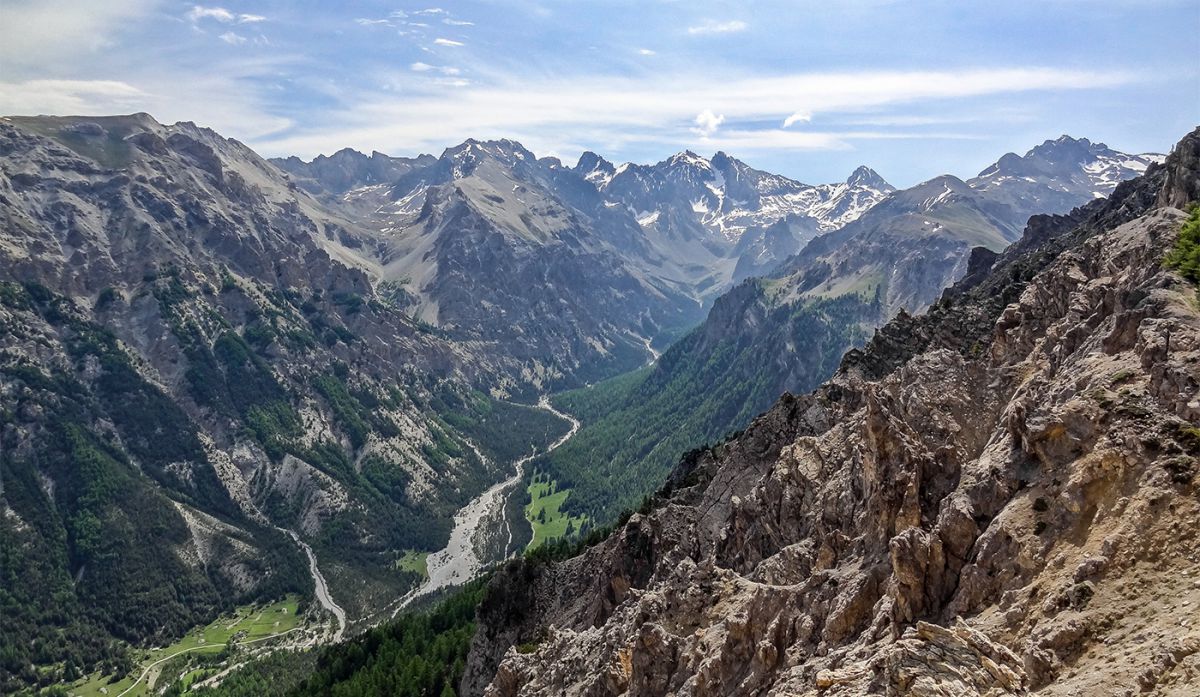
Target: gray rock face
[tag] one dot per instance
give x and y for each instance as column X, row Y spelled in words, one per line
column 348, row 169
column 171, row 302
column 1059, row 175
column 570, row 271
column 997, row 497
column 524, row 257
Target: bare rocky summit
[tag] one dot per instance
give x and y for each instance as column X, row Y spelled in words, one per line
column 997, row 497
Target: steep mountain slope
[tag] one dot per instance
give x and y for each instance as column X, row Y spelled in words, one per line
column 1058, row 174
column 524, row 259
column 787, row 332
column 995, row 497
column 729, row 208
column 917, row 241
column 188, row 371
column 713, row 380
column 910, row 246
column 599, row 262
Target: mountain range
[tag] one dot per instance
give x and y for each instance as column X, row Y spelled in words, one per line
column 997, row 497
column 215, row 365
column 635, row 254
column 786, row 330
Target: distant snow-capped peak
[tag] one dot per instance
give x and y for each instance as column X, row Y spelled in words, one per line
column 728, row 196
column 1068, row 164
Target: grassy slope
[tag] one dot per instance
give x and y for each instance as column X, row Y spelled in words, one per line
column 556, row 520
column 256, row 622
column 415, row 562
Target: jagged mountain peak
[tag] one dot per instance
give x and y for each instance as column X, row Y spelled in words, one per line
column 864, row 176
column 463, row 159
column 685, row 156
column 503, row 149
column 721, row 158
column 1061, row 169
column 595, row 168
column 932, row 192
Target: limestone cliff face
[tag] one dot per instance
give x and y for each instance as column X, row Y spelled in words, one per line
column 995, row 498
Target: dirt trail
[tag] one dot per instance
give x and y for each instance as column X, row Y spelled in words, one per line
column 152, row 666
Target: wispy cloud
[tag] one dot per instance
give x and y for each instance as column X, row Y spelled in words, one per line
column 420, row 67
column 43, row 32
column 629, row 83
column 712, row 26
column 220, row 14
column 69, row 96
column 553, row 113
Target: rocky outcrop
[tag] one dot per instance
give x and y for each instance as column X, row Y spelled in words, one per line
column 994, row 498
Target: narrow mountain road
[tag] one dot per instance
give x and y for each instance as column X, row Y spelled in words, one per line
column 152, row 666
column 459, row 560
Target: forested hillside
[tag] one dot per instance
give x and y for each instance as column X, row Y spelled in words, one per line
column 712, row 382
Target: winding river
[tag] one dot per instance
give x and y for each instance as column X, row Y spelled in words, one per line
column 463, row 556
column 322, row 589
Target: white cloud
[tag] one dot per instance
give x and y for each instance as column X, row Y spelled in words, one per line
column 554, row 113
column 647, row 52
column 232, row 38
column 457, row 22
column 711, row 26
column 42, row 33
column 420, row 67
column 707, row 123
column 68, row 97
column 220, row 14
column 448, row 42
column 362, row 21
column 798, row 117
column 219, row 98
column 431, row 11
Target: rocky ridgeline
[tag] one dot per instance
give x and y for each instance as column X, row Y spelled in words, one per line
column 996, row 497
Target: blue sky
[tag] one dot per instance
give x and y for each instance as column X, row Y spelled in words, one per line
column 807, row 89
